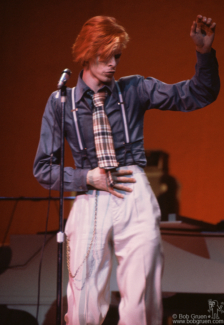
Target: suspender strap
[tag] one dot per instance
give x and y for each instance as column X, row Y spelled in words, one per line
column 128, row 144
column 81, row 146
column 76, row 120
column 127, row 139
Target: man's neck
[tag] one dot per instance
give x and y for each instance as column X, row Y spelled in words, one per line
column 92, row 82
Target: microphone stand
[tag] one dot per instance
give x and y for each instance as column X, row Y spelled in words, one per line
column 60, row 234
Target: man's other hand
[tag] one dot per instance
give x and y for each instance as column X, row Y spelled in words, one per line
column 202, row 33
column 97, row 178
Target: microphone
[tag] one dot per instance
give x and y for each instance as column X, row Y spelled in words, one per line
column 65, row 75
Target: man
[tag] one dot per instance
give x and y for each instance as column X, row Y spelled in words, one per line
column 115, row 208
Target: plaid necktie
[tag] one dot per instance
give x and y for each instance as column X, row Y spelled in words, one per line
column 103, row 136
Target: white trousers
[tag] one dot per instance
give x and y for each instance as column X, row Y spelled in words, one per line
column 130, row 227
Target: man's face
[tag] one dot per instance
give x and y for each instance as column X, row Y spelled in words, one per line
column 103, row 71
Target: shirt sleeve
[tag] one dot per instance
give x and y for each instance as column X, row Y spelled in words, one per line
column 46, row 167
column 186, row 95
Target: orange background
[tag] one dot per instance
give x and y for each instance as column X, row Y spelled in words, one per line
column 37, row 37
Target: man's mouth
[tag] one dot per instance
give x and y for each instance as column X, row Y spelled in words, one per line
column 110, row 72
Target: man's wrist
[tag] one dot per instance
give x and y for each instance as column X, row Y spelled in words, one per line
column 203, row 50
column 206, row 59
column 87, row 178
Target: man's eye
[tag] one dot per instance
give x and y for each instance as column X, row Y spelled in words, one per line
column 117, row 56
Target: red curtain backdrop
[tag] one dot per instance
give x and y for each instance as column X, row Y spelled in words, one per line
column 36, row 46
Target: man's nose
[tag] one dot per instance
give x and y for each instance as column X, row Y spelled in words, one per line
column 112, row 62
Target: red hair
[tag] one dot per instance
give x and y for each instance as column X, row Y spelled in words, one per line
column 100, row 36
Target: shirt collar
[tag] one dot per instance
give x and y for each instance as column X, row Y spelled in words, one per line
column 82, row 88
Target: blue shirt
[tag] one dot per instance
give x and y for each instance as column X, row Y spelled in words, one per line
column 139, row 94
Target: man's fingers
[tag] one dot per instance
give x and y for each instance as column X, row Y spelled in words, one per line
column 213, row 26
column 115, row 193
column 122, row 172
column 209, row 21
column 120, row 176
column 122, row 188
column 193, row 28
column 124, row 179
column 199, row 19
column 204, row 21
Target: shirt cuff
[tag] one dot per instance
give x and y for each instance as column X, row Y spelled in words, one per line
column 80, row 180
column 205, row 58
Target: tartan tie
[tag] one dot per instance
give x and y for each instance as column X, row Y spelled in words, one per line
column 103, row 136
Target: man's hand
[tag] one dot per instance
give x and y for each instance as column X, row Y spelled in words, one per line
column 202, row 33
column 97, row 178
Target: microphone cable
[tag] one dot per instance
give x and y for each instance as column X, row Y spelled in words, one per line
column 10, row 222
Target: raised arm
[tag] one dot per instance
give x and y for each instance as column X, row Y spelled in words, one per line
column 188, row 95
